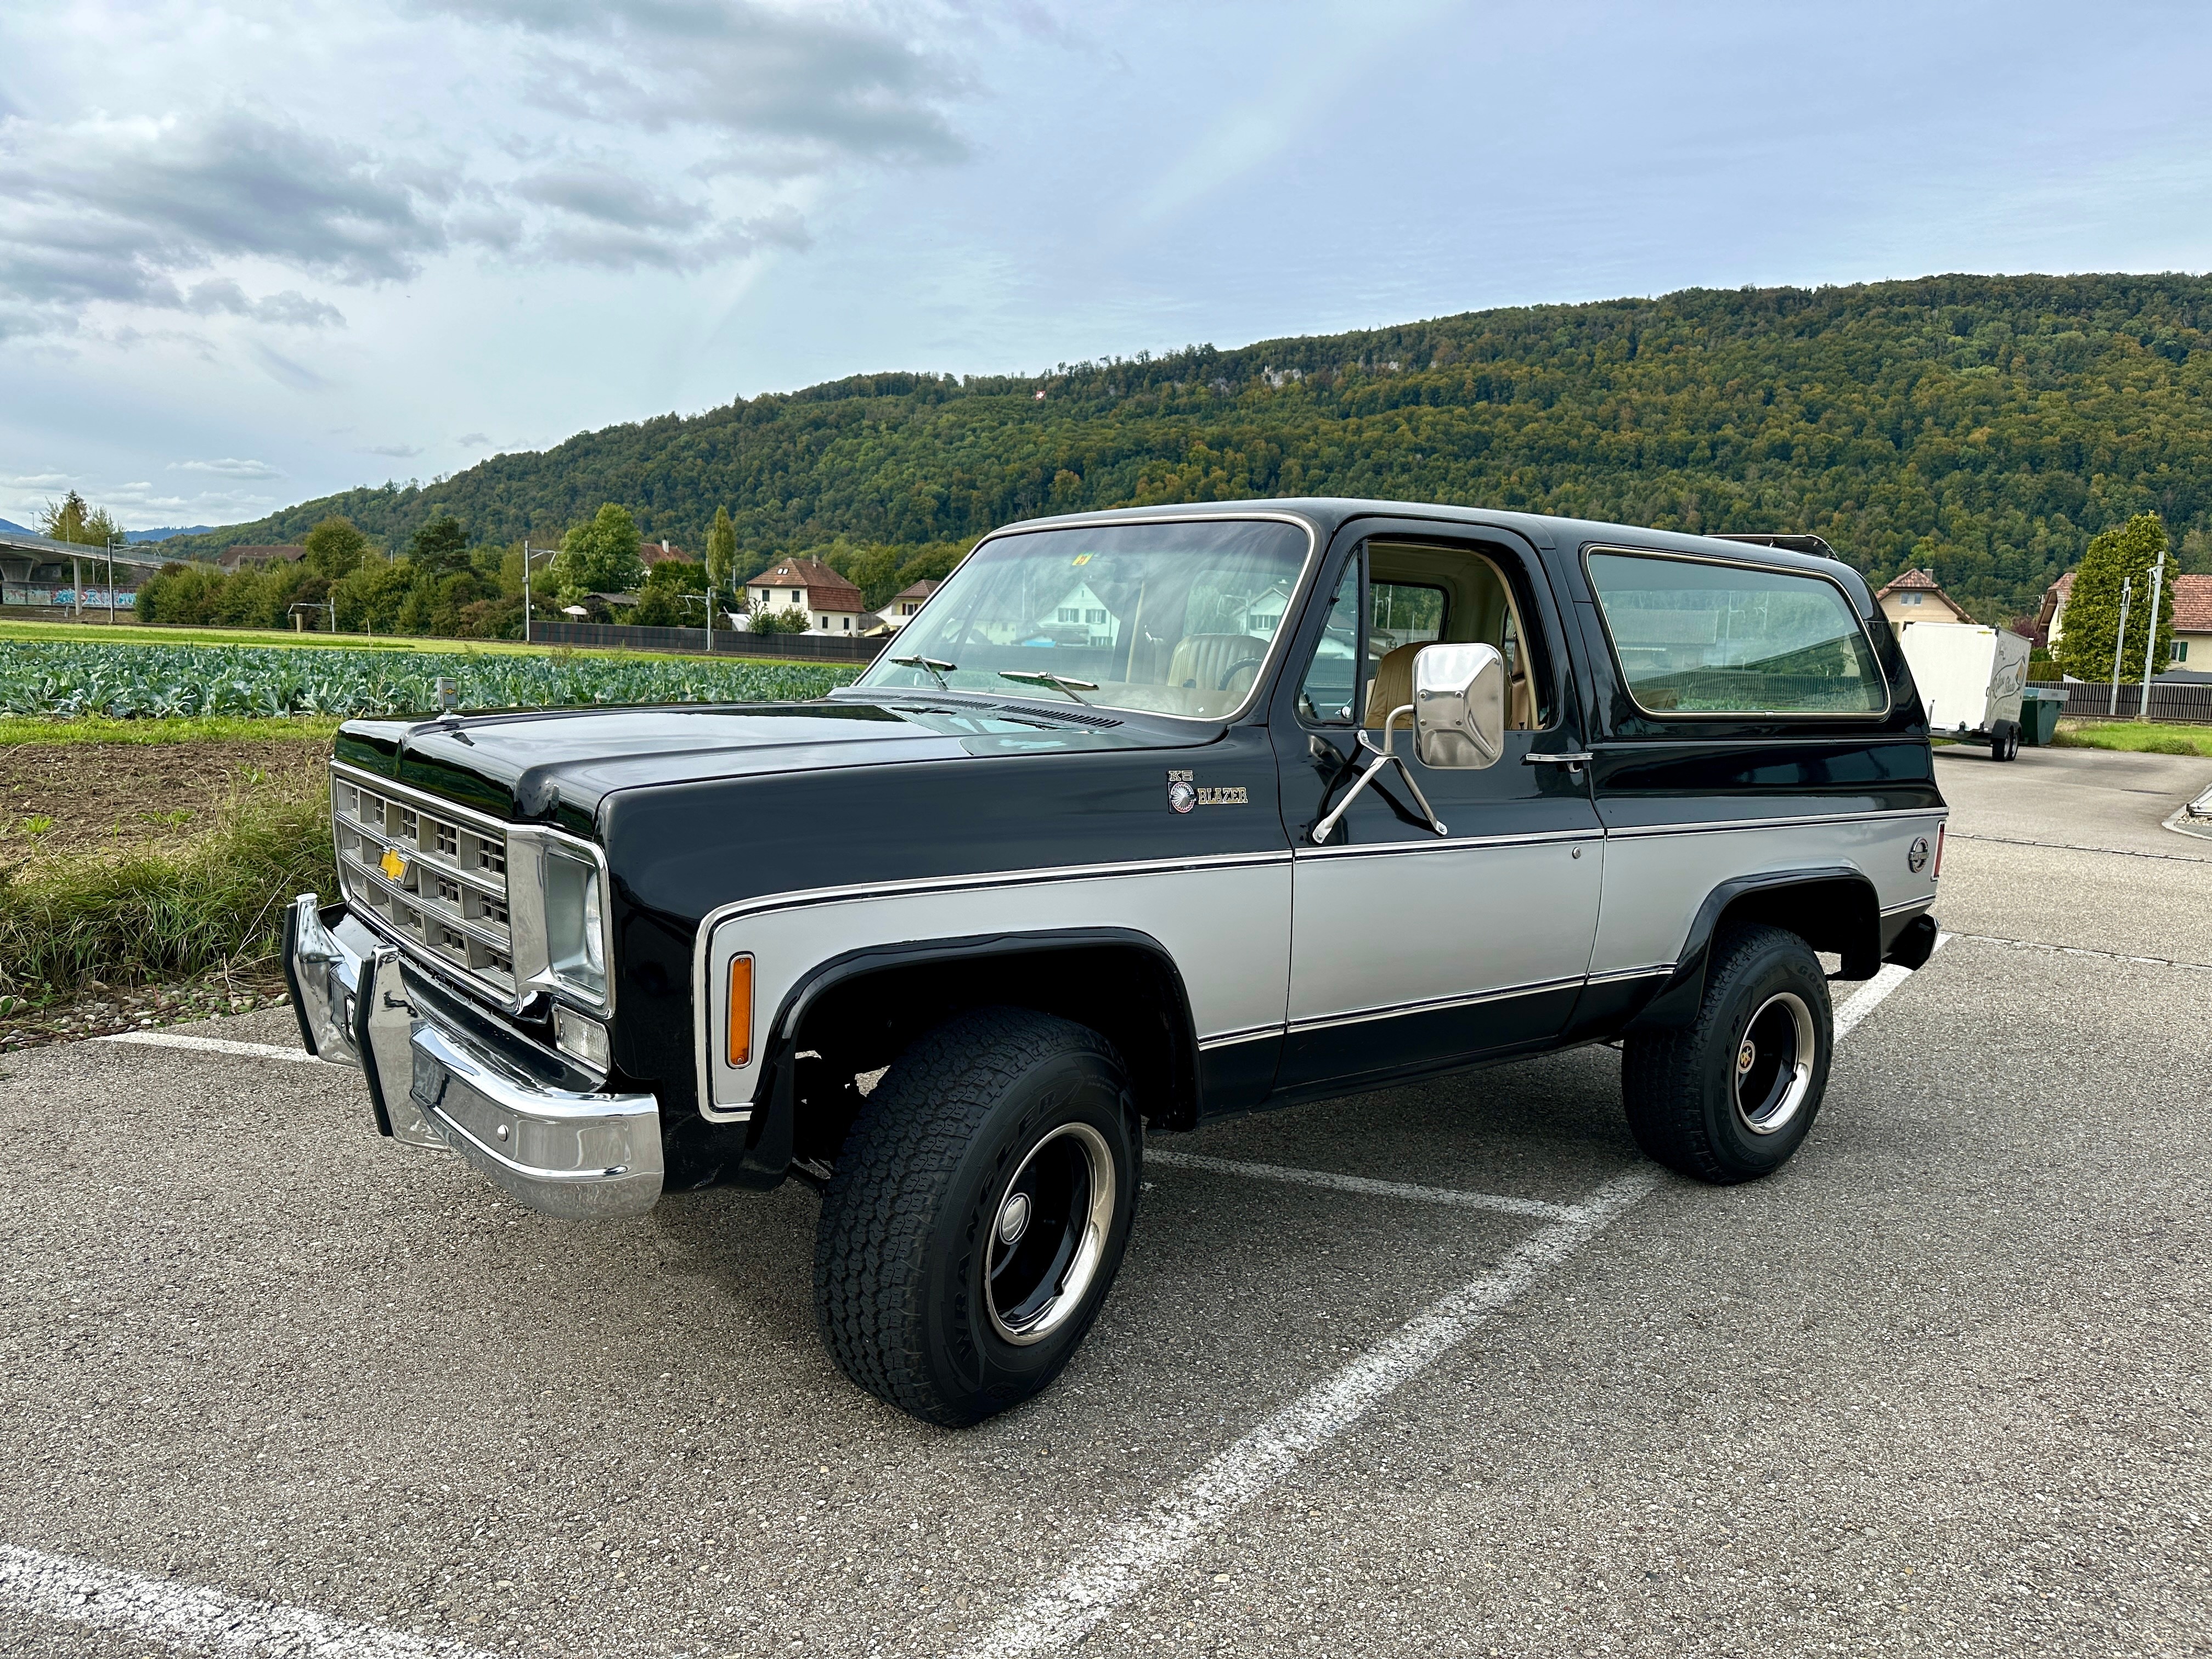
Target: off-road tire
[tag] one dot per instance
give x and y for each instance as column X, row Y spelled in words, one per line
column 908, row 1222
column 1679, row 1085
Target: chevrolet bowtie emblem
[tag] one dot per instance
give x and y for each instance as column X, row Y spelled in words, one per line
column 392, row 864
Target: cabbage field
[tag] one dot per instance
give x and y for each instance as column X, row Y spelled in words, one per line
column 152, row 682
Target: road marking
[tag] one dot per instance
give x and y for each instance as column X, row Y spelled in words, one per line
column 2072, row 847
column 211, row 1045
column 155, row 1610
column 1165, row 1532
column 2083, row 951
column 1351, row 1183
column 1145, row 1544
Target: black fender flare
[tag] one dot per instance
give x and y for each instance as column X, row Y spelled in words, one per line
column 767, row 1155
column 1677, row 1000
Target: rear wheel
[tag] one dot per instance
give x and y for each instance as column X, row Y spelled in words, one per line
column 1730, row 1096
column 2004, row 741
column 978, row 1214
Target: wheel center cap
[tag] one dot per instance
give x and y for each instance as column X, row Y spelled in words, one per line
column 1746, row 1055
column 1014, row 1218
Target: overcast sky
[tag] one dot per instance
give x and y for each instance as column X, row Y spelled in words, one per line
column 252, row 254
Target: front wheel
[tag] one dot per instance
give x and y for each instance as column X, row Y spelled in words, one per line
column 1732, row 1095
column 978, row 1214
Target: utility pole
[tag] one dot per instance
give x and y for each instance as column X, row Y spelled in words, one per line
column 528, row 553
column 2150, row 640
column 77, row 587
column 2119, row 644
column 111, row 584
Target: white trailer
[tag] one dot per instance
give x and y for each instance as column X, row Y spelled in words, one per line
column 1971, row 681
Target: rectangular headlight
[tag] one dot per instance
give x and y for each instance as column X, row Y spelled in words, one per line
column 575, row 925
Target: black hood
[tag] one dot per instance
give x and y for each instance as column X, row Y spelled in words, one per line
column 559, row 764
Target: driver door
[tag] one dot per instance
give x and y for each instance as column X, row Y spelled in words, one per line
column 1410, row 950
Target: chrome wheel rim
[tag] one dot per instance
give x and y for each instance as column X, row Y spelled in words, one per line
column 1048, row 1234
column 1773, row 1071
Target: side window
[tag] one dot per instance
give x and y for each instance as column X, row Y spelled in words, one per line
column 1696, row 638
column 1327, row 693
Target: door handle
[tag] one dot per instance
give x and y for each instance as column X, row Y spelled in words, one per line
column 1570, row 761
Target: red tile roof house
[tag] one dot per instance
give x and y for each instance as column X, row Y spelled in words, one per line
column 1915, row 596
column 662, row 552
column 2192, row 618
column 906, row 602
column 832, row 604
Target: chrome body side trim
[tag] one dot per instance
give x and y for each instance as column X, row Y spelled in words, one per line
column 1716, row 826
column 578, row 1156
column 1909, row 904
column 1657, row 970
column 1437, row 1004
column 1389, row 849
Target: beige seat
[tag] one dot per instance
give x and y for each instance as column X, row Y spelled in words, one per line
column 1203, row 661
column 1393, row 688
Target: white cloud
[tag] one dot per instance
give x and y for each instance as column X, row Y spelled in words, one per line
column 229, row 467
column 392, row 451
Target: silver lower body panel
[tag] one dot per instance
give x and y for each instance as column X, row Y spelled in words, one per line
column 575, row 1155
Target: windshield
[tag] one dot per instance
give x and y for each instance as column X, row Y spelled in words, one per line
column 1171, row 618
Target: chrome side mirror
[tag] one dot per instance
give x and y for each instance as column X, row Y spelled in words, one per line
column 1459, row 706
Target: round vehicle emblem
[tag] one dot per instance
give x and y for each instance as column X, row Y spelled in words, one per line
column 1183, row 796
column 1917, row 860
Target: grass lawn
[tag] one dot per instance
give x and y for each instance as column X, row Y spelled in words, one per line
column 37, row 729
column 2137, row 736
column 133, row 634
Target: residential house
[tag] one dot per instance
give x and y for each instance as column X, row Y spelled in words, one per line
column 1915, row 596
column 664, row 553
column 905, row 603
column 2192, row 619
column 831, row 604
column 241, row 557
column 1081, row 618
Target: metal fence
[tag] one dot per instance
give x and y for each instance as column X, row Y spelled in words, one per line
column 723, row 641
column 2184, row 705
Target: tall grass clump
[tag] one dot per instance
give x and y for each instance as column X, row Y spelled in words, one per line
column 155, row 914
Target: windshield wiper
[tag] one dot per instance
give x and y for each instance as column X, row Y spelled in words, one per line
column 935, row 667
column 1061, row 681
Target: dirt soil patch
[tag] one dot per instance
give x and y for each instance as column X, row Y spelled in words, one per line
column 102, row 1010
column 57, row 799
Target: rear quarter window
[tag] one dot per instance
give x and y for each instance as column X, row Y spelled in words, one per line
column 1693, row 637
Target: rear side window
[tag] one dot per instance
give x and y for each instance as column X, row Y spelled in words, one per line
column 1696, row 638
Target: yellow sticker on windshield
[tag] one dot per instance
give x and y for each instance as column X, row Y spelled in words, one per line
column 1080, row 558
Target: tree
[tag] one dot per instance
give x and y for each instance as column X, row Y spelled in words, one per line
column 439, row 546
column 70, row 520
column 2127, row 553
column 598, row 556
column 335, row 548
column 671, row 596
column 721, row 551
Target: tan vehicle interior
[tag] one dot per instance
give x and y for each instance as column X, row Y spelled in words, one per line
column 1480, row 609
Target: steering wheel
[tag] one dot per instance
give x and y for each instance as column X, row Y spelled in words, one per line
column 1232, row 670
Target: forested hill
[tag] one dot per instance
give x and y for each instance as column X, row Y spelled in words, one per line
column 1984, row 426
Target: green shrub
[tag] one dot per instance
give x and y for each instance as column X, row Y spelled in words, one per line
column 156, row 914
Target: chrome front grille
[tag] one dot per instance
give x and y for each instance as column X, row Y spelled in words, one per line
column 436, row 875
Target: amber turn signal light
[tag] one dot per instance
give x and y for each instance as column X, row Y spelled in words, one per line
column 741, row 1010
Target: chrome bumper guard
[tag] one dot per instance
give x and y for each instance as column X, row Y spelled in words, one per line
column 581, row 1156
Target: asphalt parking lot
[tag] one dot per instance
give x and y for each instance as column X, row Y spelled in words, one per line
column 1451, row 1372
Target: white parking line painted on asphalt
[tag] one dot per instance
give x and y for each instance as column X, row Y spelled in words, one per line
column 1165, row 1532
column 211, row 1045
column 1135, row 1552
column 1361, row 1184
column 203, row 1620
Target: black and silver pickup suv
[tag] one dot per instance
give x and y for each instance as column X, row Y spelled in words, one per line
column 1146, row 818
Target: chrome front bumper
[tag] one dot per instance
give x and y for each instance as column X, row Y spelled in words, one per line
column 580, row 1156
